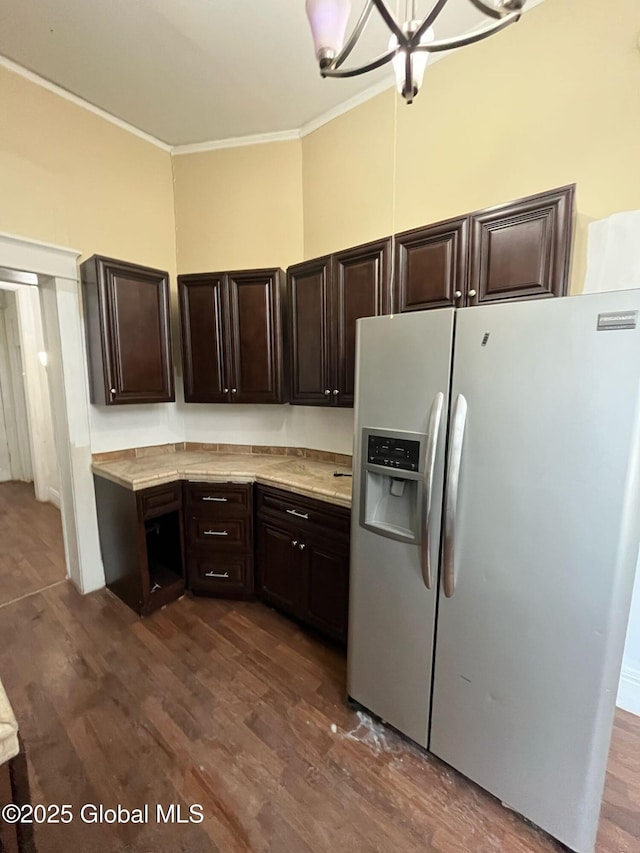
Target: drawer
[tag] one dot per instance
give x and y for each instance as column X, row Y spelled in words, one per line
column 220, row 574
column 219, row 534
column 212, row 500
column 160, row 499
column 303, row 511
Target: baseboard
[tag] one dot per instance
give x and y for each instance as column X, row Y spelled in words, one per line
column 629, row 690
column 54, row 497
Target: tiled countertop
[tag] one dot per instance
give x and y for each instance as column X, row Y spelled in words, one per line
column 303, row 476
column 8, row 729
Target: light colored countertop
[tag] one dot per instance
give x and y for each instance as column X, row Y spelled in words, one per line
column 8, row 729
column 295, row 474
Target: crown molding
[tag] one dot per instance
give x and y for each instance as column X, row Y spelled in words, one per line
column 32, row 77
column 236, row 142
column 346, row 106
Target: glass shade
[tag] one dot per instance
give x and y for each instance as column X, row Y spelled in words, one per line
column 419, row 60
column 328, row 21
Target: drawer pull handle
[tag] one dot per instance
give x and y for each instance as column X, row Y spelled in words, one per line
column 216, row 533
column 211, row 498
column 298, row 514
column 217, row 575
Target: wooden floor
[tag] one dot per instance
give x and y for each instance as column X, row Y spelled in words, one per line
column 31, row 548
column 233, row 707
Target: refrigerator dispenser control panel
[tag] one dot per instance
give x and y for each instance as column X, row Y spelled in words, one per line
column 393, row 452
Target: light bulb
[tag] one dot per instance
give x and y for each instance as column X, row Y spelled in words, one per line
column 328, row 21
column 418, row 59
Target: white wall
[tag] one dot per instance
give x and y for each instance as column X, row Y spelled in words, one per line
column 12, row 390
column 293, row 426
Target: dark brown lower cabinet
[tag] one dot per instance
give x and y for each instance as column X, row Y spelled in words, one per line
column 302, row 559
column 142, row 543
column 219, row 530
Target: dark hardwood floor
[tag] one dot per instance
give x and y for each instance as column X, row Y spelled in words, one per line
column 233, row 707
column 31, row 547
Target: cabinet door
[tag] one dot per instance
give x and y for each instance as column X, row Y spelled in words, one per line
column 203, row 314
column 278, row 563
column 255, row 336
column 128, row 332
column 431, row 266
column 360, row 288
column 326, row 586
column 522, row 250
column 308, row 296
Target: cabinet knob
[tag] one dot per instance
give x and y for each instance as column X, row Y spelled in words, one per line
column 327, row 392
column 226, row 390
column 302, row 546
column 234, row 390
column 458, row 294
column 335, row 392
column 294, row 542
column 113, row 391
column 472, row 292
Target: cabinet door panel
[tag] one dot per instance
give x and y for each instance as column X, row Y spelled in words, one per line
column 128, row 332
column 279, row 575
column 522, row 250
column 203, row 312
column 431, row 266
column 361, row 288
column 308, row 295
column 256, row 337
column 326, row 587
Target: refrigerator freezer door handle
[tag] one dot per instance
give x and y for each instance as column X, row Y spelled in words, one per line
column 456, row 440
column 433, row 430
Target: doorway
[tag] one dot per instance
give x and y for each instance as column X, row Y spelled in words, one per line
column 52, row 273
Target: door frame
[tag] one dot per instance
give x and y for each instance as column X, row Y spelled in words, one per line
column 54, row 270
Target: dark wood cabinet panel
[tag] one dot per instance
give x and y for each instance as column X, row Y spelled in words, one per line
column 326, row 296
column 203, row 308
column 303, row 559
column 219, row 532
column 256, row 374
column 232, row 336
column 326, row 586
column 128, row 332
column 142, row 543
column 360, row 288
column 522, row 250
column 431, row 266
column 308, row 296
column 279, row 578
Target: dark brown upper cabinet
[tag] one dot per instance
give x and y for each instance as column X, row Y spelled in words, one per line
column 326, row 297
column 128, row 332
column 522, row 250
column 431, row 266
column 232, row 340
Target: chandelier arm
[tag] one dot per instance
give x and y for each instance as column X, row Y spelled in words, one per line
column 491, row 11
column 363, row 20
column 428, row 20
column 408, row 76
column 478, row 35
column 391, row 22
column 362, row 69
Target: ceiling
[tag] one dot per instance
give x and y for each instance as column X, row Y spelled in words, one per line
column 191, row 71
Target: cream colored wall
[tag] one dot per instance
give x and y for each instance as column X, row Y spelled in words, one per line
column 347, row 168
column 239, row 208
column 76, row 180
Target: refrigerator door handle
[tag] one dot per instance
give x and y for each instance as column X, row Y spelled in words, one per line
column 458, row 422
column 433, row 431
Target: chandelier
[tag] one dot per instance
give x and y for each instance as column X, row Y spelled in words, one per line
column 411, row 42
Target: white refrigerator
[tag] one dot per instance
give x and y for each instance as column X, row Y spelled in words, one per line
column 495, row 532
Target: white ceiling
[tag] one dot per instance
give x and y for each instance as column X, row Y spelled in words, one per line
column 190, row 71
